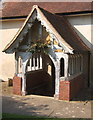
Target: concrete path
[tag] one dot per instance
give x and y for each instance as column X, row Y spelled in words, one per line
column 44, row 106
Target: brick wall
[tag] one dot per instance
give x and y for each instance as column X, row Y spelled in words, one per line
column 17, row 83
column 64, row 89
column 70, row 89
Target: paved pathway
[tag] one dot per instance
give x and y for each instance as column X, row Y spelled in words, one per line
column 45, row 106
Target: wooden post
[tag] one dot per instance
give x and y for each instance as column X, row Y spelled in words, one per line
column 16, row 66
column 37, row 63
column 31, row 63
column 40, row 62
column 66, row 66
column 57, row 76
column 23, row 80
column 24, row 62
column 34, row 62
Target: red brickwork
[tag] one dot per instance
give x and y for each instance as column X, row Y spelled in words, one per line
column 64, row 89
column 70, row 89
column 17, row 83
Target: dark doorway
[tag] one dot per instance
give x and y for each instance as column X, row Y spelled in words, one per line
column 42, row 82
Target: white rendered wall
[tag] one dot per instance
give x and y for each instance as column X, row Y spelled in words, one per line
column 82, row 25
column 7, row 61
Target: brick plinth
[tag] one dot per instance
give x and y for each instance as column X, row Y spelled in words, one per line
column 64, row 90
column 70, row 89
column 17, row 83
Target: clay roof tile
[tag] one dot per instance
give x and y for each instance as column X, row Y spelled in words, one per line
column 13, row 9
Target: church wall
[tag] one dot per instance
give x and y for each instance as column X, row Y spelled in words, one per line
column 82, row 25
column 7, row 61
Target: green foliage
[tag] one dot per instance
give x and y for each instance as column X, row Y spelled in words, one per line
column 39, row 47
column 7, row 116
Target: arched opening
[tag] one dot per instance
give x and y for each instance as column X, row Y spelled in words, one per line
column 62, row 67
column 40, row 80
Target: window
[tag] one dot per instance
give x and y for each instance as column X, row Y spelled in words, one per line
column 34, row 63
column 75, row 64
column 19, row 65
column 62, row 67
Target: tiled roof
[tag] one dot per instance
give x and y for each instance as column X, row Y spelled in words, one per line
column 13, row 9
column 62, row 30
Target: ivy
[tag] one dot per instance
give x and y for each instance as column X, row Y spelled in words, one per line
column 39, row 47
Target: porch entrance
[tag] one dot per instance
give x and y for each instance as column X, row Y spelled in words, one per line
column 41, row 79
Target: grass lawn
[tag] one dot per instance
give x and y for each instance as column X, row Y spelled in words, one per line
column 8, row 116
